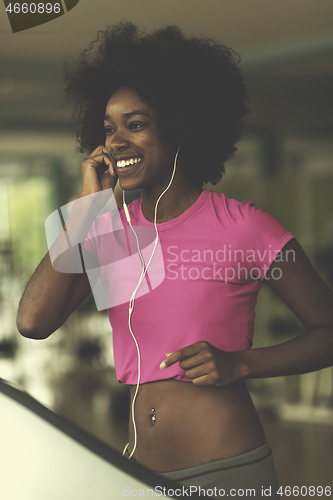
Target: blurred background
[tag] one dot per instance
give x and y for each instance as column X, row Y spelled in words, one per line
column 283, row 164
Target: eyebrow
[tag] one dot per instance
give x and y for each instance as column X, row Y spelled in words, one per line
column 128, row 115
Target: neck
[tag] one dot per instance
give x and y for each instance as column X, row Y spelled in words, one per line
column 179, row 197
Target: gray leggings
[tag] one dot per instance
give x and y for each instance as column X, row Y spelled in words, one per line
column 250, row 475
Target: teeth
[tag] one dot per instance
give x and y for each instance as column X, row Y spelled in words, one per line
column 126, row 163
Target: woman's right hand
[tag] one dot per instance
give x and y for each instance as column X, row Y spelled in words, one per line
column 94, row 175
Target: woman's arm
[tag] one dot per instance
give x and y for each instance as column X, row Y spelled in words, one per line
column 51, row 296
column 311, row 300
column 56, row 289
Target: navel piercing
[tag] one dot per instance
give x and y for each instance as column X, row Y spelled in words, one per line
column 153, row 417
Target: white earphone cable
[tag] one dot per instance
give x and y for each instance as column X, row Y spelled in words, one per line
column 131, row 303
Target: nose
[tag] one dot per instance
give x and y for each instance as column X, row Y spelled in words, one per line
column 119, row 141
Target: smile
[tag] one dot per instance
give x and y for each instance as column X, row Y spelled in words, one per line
column 127, row 163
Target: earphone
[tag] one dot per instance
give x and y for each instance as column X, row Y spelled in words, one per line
column 131, row 302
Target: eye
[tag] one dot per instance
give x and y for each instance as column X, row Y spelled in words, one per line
column 108, row 130
column 136, row 125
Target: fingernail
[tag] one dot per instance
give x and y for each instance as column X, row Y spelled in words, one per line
column 168, row 354
column 163, row 365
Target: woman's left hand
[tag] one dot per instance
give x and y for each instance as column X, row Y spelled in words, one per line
column 205, row 364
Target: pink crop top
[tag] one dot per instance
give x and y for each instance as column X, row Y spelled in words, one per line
column 211, row 263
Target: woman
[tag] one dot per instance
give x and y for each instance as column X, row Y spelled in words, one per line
column 162, row 113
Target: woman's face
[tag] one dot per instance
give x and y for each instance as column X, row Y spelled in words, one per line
column 137, row 148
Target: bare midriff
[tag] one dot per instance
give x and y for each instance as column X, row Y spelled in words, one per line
column 180, row 425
